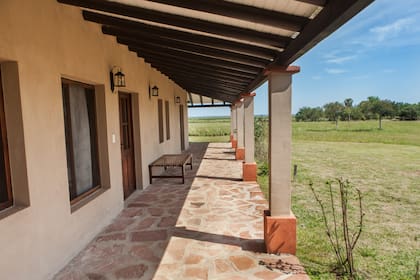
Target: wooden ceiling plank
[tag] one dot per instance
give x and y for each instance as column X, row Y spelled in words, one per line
column 195, row 66
column 242, row 12
column 182, row 22
column 320, row 3
column 206, row 82
column 226, row 55
column 212, row 94
column 127, row 29
column 198, row 75
column 208, row 86
column 203, row 81
column 184, row 71
column 196, row 58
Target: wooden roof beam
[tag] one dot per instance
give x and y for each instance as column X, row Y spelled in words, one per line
column 193, row 58
column 127, row 28
column 331, row 17
column 207, row 86
column 215, row 94
column 219, row 54
column 193, row 74
column 242, row 12
column 195, row 66
column 203, row 80
column 191, row 100
column 182, row 21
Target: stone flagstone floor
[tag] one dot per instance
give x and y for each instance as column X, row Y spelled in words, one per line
column 209, row 228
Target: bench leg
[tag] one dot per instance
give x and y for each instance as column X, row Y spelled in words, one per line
column 191, row 163
column 183, row 174
column 150, row 174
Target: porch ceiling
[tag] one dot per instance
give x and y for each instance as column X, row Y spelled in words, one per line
column 216, row 48
column 200, row 101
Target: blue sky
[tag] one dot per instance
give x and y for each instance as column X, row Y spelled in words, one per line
column 377, row 53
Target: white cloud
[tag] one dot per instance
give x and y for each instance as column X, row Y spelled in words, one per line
column 316, row 78
column 340, row 60
column 335, row 71
column 389, row 70
column 393, row 29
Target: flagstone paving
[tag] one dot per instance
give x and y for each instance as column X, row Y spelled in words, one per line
column 209, row 228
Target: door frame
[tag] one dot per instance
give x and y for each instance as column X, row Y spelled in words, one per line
column 182, row 126
column 135, row 112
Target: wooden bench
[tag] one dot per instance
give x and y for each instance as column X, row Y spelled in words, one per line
column 165, row 161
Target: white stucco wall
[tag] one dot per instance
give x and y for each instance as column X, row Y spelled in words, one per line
column 50, row 41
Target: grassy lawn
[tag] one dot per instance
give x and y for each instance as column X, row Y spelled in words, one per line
column 388, row 176
column 385, row 166
column 209, row 129
column 393, row 132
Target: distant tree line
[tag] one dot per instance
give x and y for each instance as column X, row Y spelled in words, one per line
column 372, row 108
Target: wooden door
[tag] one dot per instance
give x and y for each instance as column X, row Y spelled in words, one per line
column 181, row 124
column 127, row 144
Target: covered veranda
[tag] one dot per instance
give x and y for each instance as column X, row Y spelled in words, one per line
column 208, row 228
column 224, row 50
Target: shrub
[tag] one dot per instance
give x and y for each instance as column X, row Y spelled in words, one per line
column 342, row 227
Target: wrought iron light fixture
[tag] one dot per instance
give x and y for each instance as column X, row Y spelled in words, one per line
column 154, row 91
column 177, row 99
column 117, row 78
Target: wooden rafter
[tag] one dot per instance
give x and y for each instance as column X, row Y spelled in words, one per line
column 194, row 58
column 239, row 33
column 333, row 15
column 176, row 45
column 191, row 66
column 121, row 27
column 242, row 12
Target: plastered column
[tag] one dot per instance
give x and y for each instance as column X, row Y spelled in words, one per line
column 234, row 137
column 279, row 222
column 249, row 168
column 240, row 149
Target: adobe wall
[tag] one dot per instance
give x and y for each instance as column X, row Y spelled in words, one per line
column 50, row 41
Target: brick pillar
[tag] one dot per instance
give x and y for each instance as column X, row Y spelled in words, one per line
column 279, row 221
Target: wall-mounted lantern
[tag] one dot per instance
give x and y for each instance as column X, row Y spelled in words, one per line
column 154, row 91
column 177, row 99
column 117, row 78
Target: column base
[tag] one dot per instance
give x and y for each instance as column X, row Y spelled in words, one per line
column 249, row 171
column 234, row 143
column 240, row 154
column 280, row 233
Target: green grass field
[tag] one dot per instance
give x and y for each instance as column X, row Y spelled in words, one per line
column 385, row 166
column 209, row 129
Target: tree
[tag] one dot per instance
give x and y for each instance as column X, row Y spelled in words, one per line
column 309, row 114
column 333, row 111
column 348, row 103
column 408, row 112
column 381, row 108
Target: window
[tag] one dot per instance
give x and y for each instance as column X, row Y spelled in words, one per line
column 160, row 119
column 168, row 126
column 81, row 139
column 6, row 196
